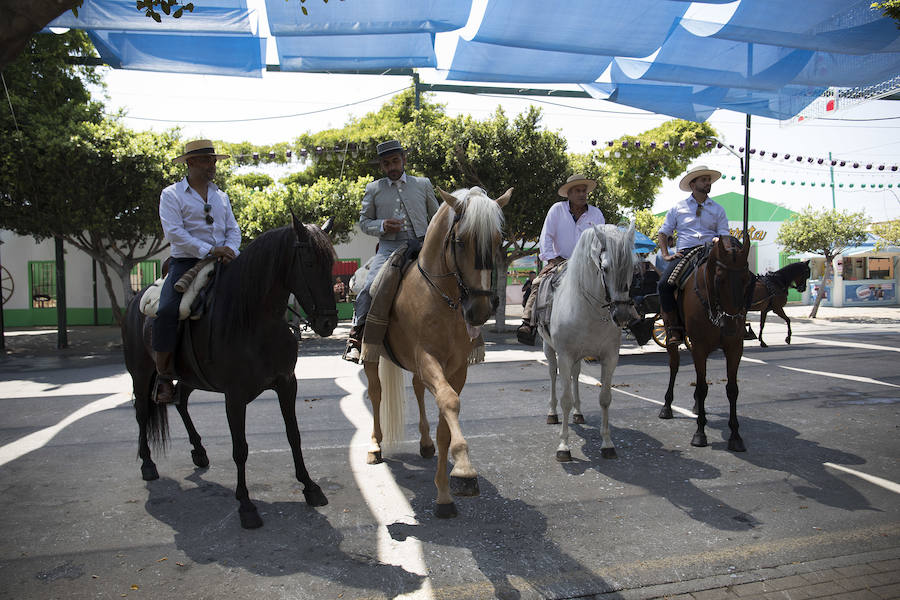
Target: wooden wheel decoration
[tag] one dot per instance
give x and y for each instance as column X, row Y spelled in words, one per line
column 8, row 285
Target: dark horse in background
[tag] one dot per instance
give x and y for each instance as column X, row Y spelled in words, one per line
column 713, row 305
column 242, row 346
column 771, row 293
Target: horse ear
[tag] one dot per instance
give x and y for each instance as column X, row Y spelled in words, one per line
column 449, row 199
column 299, row 227
column 504, row 199
column 329, row 225
column 745, row 251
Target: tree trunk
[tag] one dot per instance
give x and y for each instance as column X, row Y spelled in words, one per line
column 62, row 329
column 502, row 268
column 821, row 293
column 107, row 281
column 21, row 20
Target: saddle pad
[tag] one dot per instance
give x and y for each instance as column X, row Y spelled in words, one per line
column 150, row 299
column 543, row 304
column 686, row 266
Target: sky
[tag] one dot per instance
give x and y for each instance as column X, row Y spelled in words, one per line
column 280, row 106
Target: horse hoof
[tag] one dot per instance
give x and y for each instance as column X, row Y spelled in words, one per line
column 464, row 486
column 552, row 419
column 251, row 520
column 374, row 458
column 608, row 453
column 426, row 451
column 149, row 472
column 445, row 511
column 665, row 413
column 699, row 440
column 578, row 419
column 314, row 496
column 563, row 456
column 737, row 445
column 200, row 459
column 763, row 345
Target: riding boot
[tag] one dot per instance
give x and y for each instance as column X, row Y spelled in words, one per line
column 526, row 333
column 354, row 343
column 165, row 389
column 674, row 328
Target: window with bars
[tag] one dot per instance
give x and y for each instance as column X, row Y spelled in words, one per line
column 43, row 283
column 143, row 274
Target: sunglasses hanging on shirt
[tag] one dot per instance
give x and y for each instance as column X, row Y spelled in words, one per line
column 209, row 219
column 699, row 210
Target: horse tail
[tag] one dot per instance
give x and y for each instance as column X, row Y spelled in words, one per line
column 157, row 425
column 393, row 402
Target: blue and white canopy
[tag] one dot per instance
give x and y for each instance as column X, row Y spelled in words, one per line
column 764, row 57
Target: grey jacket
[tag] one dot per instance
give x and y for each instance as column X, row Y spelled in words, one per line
column 414, row 200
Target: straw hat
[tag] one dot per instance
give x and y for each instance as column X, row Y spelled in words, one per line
column 685, row 184
column 577, row 179
column 198, row 148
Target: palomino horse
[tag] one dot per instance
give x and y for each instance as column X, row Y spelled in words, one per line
column 590, row 307
column 714, row 306
column 771, row 292
column 242, row 346
column 440, row 306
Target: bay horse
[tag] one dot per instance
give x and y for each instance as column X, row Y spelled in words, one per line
column 242, row 346
column 771, row 293
column 443, row 300
column 590, row 307
column 713, row 304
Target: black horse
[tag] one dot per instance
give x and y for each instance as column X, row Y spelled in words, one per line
column 771, row 293
column 242, row 346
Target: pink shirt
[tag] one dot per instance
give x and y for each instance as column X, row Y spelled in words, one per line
column 560, row 232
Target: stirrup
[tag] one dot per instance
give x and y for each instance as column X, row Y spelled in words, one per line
column 526, row 334
column 674, row 336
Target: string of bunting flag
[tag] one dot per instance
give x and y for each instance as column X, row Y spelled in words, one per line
column 784, row 156
column 303, row 154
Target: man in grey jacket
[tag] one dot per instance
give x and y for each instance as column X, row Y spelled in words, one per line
column 396, row 209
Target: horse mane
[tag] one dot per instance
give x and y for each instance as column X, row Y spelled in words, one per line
column 787, row 274
column 267, row 259
column 482, row 217
column 619, row 254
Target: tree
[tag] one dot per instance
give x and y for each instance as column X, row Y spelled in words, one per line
column 257, row 211
column 890, row 9
column 648, row 223
column 826, row 232
column 496, row 154
column 888, row 232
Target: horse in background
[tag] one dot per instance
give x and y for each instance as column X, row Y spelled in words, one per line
column 242, row 346
column 771, row 293
column 443, row 300
column 713, row 305
column 590, row 307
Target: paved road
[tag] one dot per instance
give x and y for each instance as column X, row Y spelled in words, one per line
column 815, row 493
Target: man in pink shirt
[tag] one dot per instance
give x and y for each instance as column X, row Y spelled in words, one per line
column 565, row 222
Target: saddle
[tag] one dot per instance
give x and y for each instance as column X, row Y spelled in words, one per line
column 543, row 303
column 194, row 300
column 383, row 291
column 687, row 265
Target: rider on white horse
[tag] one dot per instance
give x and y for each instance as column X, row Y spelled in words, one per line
column 565, row 222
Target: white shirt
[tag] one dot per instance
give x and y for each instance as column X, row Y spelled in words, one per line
column 181, row 212
column 561, row 231
column 399, row 211
column 693, row 230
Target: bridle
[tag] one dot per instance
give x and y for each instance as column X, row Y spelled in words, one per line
column 481, row 263
column 612, row 305
column 714, row 310
column 306, row 255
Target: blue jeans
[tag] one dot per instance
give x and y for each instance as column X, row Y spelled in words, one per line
column 165, row 325
column 364, row 299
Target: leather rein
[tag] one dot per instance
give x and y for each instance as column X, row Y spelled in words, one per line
column 717, row 316
column 464, row 291
column 306, row 254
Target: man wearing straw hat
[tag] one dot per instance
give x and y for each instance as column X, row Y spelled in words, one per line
column 397, row 209
column 198, row 222
column 563, row 225
column 698, row 221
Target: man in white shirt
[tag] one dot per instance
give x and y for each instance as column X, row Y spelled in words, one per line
column 563, row 225
column 698, row 221
column 197, row 220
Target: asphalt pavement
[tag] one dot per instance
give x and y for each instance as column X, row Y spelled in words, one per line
column 809, row 511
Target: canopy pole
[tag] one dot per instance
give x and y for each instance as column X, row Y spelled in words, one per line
column 417, row 88
column 746, row 165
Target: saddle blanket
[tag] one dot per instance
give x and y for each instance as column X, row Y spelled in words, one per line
column 150, row 299
column 543, row 304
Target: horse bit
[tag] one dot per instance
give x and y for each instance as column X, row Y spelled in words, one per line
column 464, row 290
column 721, row 314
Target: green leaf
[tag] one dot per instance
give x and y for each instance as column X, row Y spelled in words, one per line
column 177, row 14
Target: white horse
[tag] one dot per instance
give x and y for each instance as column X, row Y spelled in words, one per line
column 590, row 307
